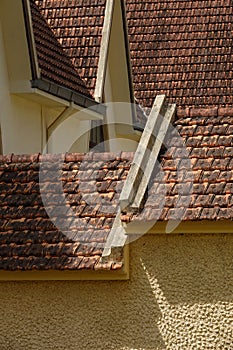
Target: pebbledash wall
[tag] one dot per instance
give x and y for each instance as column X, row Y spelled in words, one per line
column 179, row 297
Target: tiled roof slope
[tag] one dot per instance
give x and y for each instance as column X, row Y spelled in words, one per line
column 78, row 25
column 28, row 238
column 92, row 185
column 209, row 182
column 182, row 49
column 54, row 63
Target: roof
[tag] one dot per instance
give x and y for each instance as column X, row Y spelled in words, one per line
column 54, row 63
column 30, row 240
column 182, row 49
column 203, row 192
column 74, row 234
column 78, row 26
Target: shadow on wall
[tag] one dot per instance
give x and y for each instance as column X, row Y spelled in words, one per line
column 191, row 277
column 190, row 269
column 179, row 297
column 79, row 315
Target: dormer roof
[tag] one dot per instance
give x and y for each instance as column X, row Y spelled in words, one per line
column 54, row 63
column 78, row 27
column 52, row 70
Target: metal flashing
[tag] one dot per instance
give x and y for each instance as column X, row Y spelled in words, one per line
column 68, row 95
column 30, row 38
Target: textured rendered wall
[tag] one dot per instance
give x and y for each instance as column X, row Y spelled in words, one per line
column 179, row 297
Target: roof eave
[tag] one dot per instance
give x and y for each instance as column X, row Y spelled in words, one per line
column 68, row 95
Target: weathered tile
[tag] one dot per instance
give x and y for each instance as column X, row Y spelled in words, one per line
column 54, row 63
column 191, row 66
column 78, row 27
column 32, row 236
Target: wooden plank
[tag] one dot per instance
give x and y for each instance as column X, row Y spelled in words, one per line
column 141, row 169
column 146, row 154
column 150, row 164
column 142, row 155
column 117, row 237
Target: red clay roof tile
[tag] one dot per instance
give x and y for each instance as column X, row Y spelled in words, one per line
column 78, row 26
column 30, row 240
column 209, row 183
column 74, row 233
column 55, row 65
column 182, row 49
column 179, row 49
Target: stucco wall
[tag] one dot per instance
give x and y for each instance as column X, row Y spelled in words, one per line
column 179, row 297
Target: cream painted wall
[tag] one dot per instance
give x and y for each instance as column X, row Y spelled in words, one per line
column 118, row 122
column 72, row 135
column 117, row 64
column 24, row 126
column 179, row 297
column 122, row 136
column 21, row 125
column 20, row 119
column 4, row 87
column 24, row 116
column 23, row 121
column 16, row 47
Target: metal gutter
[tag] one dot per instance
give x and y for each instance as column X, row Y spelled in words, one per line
column 68, row 95
column 52, row 88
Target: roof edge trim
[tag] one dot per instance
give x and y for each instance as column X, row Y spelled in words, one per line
column 104, row 48
column 68, row 95
column 128, row 57
column 54, row 275
column 30, row 39
column 185, row 227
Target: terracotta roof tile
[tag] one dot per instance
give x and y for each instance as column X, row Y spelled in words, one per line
column 78, row 26
column 55, row 65
column 182, row 49
column 91, row 185
column 209, row 184
column 179, row 49
column 74, row 233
